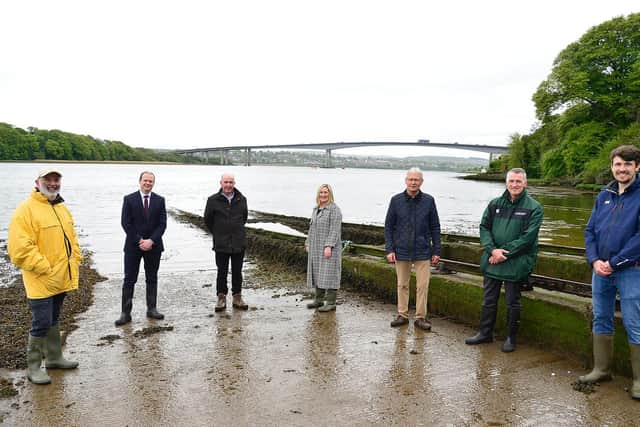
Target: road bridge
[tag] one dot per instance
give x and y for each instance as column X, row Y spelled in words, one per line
column 328, row 147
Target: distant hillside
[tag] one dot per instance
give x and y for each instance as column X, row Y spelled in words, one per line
column 39, row 144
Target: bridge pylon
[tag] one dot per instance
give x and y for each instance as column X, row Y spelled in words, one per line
column 328, row 162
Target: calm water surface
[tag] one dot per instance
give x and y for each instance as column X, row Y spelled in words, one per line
column 94, row 194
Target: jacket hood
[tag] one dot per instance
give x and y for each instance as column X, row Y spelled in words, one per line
column 36, row 194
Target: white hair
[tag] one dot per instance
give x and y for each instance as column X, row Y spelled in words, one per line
column 415, row 170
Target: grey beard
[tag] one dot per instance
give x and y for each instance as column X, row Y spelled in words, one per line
column 49, row 195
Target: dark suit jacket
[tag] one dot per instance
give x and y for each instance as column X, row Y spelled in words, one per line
column 137, row 226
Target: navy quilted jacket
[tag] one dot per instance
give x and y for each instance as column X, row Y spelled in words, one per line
column 613, row 231
column 412, row 227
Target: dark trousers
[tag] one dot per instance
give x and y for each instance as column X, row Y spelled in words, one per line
column 492, row 294
column 222, row 262
column 490, row 306
column 45, row 313
column 132, row 268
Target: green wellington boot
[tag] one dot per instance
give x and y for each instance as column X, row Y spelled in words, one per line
column 53, row 351
column 35, row 352
column 602, row 359
column 635, row 366
column 318, row 299
column 330, row 301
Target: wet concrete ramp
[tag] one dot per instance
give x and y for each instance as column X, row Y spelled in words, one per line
column 281, row 364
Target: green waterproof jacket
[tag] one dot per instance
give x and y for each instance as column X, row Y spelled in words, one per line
column 512, row 226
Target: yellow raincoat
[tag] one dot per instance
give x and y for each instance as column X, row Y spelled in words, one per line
column 43, row 244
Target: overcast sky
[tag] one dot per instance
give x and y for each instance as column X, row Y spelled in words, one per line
column 187, row 74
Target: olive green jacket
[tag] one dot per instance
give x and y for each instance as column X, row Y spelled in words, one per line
column 512, row 226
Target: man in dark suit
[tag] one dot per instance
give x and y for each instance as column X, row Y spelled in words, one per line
column 144, row 219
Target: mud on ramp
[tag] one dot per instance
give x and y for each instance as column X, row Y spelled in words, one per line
column 281, row 364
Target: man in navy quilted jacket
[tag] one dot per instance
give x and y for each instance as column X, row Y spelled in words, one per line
column 412, row 238
column 612, row 243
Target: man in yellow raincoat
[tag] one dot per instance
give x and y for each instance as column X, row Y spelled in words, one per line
column 43, row 244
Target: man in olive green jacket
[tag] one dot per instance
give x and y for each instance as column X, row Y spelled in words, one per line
column 509, row 236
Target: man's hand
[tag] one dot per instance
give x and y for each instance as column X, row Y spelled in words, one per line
column 498, row 256
column 391, row 257
column 435, row 259
column 145, row 244
column 602, row 268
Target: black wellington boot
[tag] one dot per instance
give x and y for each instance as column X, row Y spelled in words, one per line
column 127, row 305
column 152, row 297
column 513, row 323
column 487, row 322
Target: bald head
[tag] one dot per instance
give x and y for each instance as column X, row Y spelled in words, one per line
column 227, row 183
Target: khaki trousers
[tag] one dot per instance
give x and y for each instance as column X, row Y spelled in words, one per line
column 403, row 272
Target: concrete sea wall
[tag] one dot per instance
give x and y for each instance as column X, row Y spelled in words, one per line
column 554, row 321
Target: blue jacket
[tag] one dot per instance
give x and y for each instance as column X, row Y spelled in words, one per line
column 613, row 231
column 412, row 227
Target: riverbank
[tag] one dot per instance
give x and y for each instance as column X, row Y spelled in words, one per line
column 564, row 185
column 15, row 317
column 279, row 363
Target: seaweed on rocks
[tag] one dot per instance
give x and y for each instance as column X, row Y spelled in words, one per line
column 15, row 315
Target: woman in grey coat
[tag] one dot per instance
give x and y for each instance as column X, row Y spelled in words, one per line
column 324, row 248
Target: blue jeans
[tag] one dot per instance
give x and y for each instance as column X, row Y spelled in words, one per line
column 45, row 313
column 627, row 283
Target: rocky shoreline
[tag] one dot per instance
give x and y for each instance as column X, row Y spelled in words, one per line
column 15, row 317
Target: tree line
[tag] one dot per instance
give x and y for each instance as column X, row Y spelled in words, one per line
column 39, row 144
column 588, row 105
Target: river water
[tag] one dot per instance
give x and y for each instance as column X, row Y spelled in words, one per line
column 279, row 362
column 94, row 194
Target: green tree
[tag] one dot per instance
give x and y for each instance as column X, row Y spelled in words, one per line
column 53, row 150
column 553, row 165
column 580, row 144
column 601, row 70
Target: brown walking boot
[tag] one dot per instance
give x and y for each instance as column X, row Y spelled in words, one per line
column 423, row 324
column 239, row 303
column 399, row 321
column 221, row 305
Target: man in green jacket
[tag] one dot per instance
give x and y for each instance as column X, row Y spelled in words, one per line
column 509, row 236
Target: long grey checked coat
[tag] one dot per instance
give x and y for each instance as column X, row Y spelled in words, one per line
column 324, row 230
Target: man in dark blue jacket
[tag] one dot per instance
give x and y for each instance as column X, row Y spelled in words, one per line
column 144, row 219
column 412, row 237
column 612, row 240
